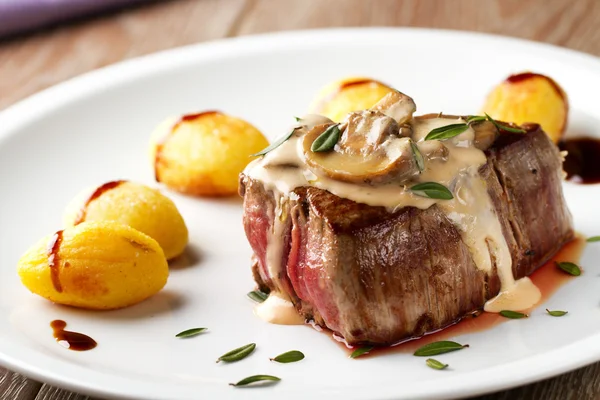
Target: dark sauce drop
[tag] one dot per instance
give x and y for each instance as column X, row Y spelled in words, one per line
column 97, row 193
column 191, row 117
column 521, row 77
column 582, row 163
column 346, row 85
column 160, row 143
column 358, row 82
column 528, row 75
column 54, row 261
column 548, row 278
column 75, row 341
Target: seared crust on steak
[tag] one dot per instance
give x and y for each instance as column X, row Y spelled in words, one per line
column 378, row 277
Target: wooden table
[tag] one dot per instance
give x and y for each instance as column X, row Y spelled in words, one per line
column 33, row 62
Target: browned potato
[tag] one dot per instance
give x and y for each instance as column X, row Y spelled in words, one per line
column 203, row 154
column 530, row 97
column 346, row 95
column 95, row 265
column 133, row 204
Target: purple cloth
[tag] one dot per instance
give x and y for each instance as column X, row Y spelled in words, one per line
column 18, row 16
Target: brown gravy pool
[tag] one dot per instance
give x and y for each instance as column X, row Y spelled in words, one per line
column 582, row 163
column 75, row 341
column 548, row 278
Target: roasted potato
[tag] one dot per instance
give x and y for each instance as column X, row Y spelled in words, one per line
column 203, row 154
column 95, row 265
column 133, row 204
column 350, row 94
column 530, row 97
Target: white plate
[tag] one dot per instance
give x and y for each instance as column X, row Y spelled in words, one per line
column 95, row 128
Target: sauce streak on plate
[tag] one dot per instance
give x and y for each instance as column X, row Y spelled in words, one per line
column 54, row 261
column 71, row 340
column 95, row 194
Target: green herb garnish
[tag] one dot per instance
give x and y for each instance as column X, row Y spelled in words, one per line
column 556, row 313
column 446, row 132
column 504, row 127
column 190, row 332
column 238, row 354
column 513, row 314
column 435, row 364
column 593, row 239
column 452, row 130
column 433, row 190
column 326, row 140
column 256, row 378
column 361, row 351
column 289, row 357
column 435, row 348
column 475, row 118
column 569, row 267
column 281, row 140
column 258, row 296
column 419, row 160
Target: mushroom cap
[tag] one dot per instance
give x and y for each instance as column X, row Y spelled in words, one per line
column 397, row 105
column 377, row 157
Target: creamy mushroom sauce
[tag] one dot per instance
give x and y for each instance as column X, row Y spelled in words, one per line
column 284, row 169
column 278, row 309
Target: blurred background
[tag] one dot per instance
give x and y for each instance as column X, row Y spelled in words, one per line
column 44, row 42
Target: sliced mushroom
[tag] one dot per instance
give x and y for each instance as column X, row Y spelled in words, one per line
column 309, row 121
column 366, row 131
column 405, row 130
column 486, row 134
column 397, row 106
column 433, row 150
column 387, row 157
column 374, row 146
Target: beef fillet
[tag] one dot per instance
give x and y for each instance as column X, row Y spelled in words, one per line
column 376, row 277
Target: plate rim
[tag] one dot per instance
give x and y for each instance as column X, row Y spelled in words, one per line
column 31, row 108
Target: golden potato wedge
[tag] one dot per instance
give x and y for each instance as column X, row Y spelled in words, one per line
column 346, row 95
column 203, row 154
column 95, row 265
column 530, row 97
column 133, row 204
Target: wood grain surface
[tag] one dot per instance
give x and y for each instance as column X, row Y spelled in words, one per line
column 32, row 62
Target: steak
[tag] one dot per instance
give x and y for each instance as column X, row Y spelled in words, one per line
column 379, row 277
